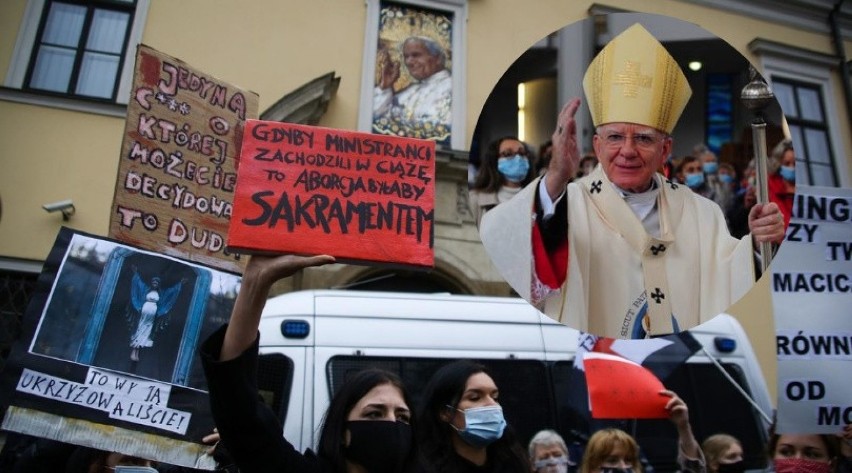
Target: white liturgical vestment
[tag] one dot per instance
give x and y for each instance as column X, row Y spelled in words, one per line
column 622, row 282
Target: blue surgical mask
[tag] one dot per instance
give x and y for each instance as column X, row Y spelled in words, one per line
column 710, row 167
column 788, row 173
column 514, row 169
column 482, row 425
column 695, row 180
column 726, row 178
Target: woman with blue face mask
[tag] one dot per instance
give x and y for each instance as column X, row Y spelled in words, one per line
column 461, row 424
column 728, row 177
column 691, row 173
column 506, row 168
column 782, row 178
column 722, row 193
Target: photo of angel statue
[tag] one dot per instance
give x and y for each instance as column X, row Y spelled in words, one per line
column 151, row 305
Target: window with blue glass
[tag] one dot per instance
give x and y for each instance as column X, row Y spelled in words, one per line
column 720, row 111
column 80, row 48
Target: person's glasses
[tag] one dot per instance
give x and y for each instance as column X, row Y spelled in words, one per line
column 509, row 153
column 639, row 140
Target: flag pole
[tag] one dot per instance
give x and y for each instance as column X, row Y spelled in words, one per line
column 756, row 96
column 737, row 386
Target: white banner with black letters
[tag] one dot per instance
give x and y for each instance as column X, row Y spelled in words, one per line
column 812, row 296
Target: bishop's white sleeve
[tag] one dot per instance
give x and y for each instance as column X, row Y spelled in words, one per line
column 548, row 206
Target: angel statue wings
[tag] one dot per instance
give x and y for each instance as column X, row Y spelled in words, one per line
column 152, row 305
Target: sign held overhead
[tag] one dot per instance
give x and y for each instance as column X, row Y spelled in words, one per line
column 357, row 196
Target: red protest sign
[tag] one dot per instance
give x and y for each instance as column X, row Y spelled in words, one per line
column 622, row 389
column 313, row 190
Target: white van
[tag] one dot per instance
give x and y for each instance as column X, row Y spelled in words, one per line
column 311, row 340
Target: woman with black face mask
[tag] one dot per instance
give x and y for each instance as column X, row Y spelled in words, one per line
column 367, row 428
column 724, row 454
column 462, row 426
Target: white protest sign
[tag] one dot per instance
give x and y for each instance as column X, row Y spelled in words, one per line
column 132, row 400
column 811, row 294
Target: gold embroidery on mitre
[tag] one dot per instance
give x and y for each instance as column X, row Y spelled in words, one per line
column 633, row 79
column 605, row 98
column 666, row 95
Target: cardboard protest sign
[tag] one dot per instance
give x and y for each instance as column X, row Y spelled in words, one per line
column 356, row 196
column 176, row 174
column 622, row 389
column 108, row 357
column 811, row 295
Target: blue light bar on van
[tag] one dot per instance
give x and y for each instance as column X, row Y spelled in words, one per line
column 725, row 344
column 295, row 329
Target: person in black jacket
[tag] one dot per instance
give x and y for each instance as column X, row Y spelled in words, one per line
column 367, row 427
column 461, row 424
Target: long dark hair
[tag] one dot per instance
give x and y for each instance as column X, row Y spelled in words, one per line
column 330, row 446
column 489, row 179
column 445, row 388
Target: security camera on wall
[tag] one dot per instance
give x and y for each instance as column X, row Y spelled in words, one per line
column 64, row 206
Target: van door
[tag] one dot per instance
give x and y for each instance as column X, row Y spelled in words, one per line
column 284, row 383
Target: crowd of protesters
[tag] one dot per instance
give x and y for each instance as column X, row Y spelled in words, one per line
column 372, row 425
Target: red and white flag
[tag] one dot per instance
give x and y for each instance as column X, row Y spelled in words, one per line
column 622, row 389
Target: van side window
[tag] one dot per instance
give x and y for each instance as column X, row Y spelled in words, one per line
column 714, row 406
column 525, row 393
column 274, row 380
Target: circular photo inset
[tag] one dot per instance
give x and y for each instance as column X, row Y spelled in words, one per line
column 615, row 183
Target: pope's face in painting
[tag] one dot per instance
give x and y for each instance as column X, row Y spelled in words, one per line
column 420, row 62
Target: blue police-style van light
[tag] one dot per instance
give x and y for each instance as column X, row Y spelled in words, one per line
column 295, row 329
column 725, row 344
